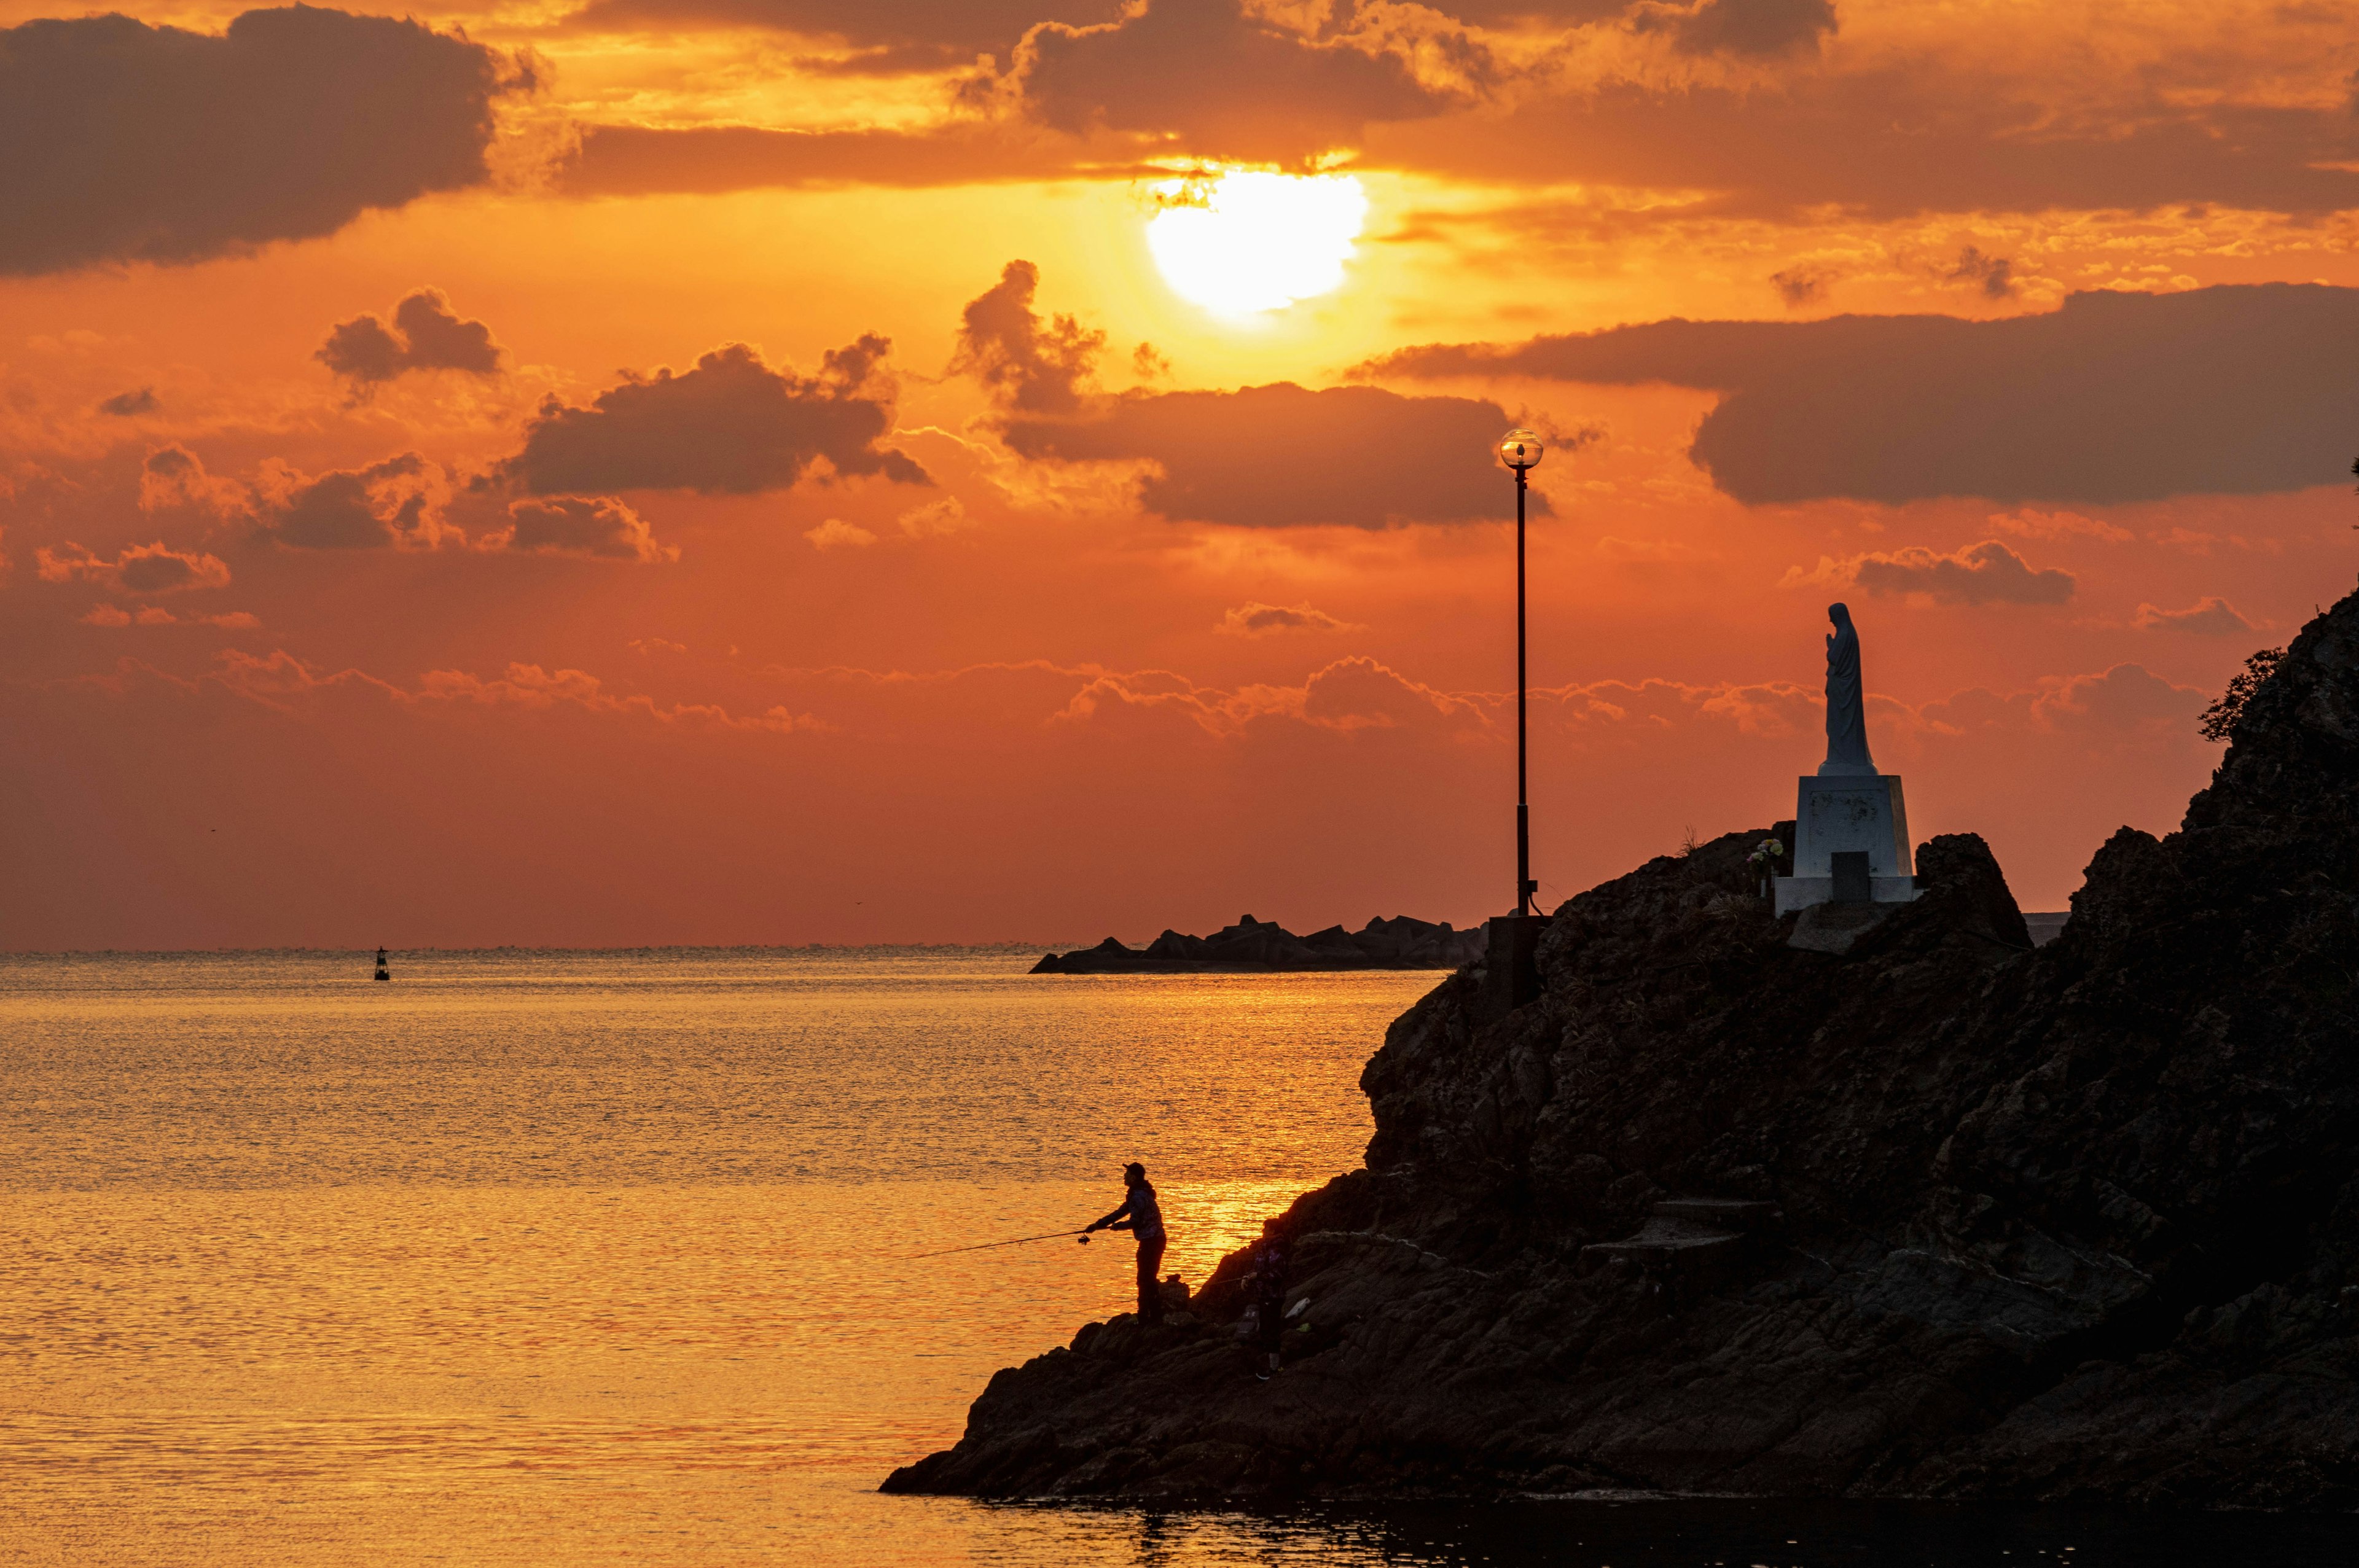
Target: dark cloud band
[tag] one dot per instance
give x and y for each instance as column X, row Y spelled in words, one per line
column 2116, row 397
column 127, row 142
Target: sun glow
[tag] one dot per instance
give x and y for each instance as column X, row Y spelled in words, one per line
column 1250, row 241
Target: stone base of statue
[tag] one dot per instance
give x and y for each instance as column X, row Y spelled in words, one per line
column 1511, row 976
column 1851, row 843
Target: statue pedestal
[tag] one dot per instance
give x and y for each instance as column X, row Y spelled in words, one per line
column 1511, row 977
column 1851, row 816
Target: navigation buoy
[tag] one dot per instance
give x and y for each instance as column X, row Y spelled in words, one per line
column 382, row 972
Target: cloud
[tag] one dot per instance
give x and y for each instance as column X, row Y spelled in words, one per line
column 1225, row 82
column 140, row 569
column 2114, row 397
column 936, row 519
column 127, row 405
column 1029, row 364
column 389, row 503
column 534, row 687
column 1349, row 697
column 1802, row 284
column 2033, row 525
column 835, row 534
column 1889, row 134
column 1994, row 275
column 884, row 36
column 157, row 615
column 1988, row 573
column 2124, row 698
column 731, row 425
column 128, row 143
column 583, row 525
column 172, row 476
column 1359, row 693
column 1756, row 28
column 1256, row 618
column 1285, row 456
column 426, row 334
column 2210, row 616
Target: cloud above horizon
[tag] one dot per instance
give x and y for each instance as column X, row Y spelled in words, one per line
column 426, row 334
column 131, row 143
column 137, row 569
column 2241, row 389
column 730, row 426
column 1253, row 458
column 1226, row 83
column 1987, row 573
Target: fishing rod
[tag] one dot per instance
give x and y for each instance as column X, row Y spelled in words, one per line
column 986, row 1246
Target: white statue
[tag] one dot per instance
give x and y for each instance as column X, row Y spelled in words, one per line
column 1846, row 701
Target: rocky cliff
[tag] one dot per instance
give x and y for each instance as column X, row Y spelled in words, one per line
column 1941, row 1215
column 1399, row 943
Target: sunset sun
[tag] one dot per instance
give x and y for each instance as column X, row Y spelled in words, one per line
column 1250, row 241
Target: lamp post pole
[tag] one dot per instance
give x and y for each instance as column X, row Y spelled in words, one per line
column 1520, row 449
column 1524, row 885
column 1513, row 943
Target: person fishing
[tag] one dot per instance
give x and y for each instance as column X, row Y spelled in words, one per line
column 1267, row 1287
column 1143, row 1217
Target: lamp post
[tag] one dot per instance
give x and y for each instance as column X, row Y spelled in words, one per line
column 1520, row 449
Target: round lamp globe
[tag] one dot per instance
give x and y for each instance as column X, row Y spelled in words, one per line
column 1519, row 448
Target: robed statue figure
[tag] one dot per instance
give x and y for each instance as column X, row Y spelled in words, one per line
column 1847, row 700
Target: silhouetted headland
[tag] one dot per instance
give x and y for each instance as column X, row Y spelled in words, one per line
column 1399, row 943
column 1932, row 1212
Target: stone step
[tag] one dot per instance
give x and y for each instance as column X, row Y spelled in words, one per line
column 1750, row 1215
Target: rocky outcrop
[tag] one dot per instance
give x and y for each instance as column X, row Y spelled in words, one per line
column 1942, row 1215
column 1399, row 943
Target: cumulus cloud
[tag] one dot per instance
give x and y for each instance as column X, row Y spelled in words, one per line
column 731, row 425
column 1351, row 696
column 1756, row 28
column 2127, row 698
column 535, row 687
column 391, row 503
column 140, row 568
column 129, row 404
column 1255, row 618
column 1265, row 456
column 157, row 615
column 583, row 525
column 426, row 334
column 1226, row 81
column 2114, row 397
column 130, row 143
column 172, row 476
column 2209, row 616
column 835, row 534
column 1988, row 573
column 1029, row 363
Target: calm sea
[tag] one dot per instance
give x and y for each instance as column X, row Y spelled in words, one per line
column 563, row 1257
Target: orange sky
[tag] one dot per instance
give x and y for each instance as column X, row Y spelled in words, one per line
column 455, row 487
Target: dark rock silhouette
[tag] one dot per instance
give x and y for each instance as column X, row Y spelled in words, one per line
column 1399, row 943
column 1944, row 1216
